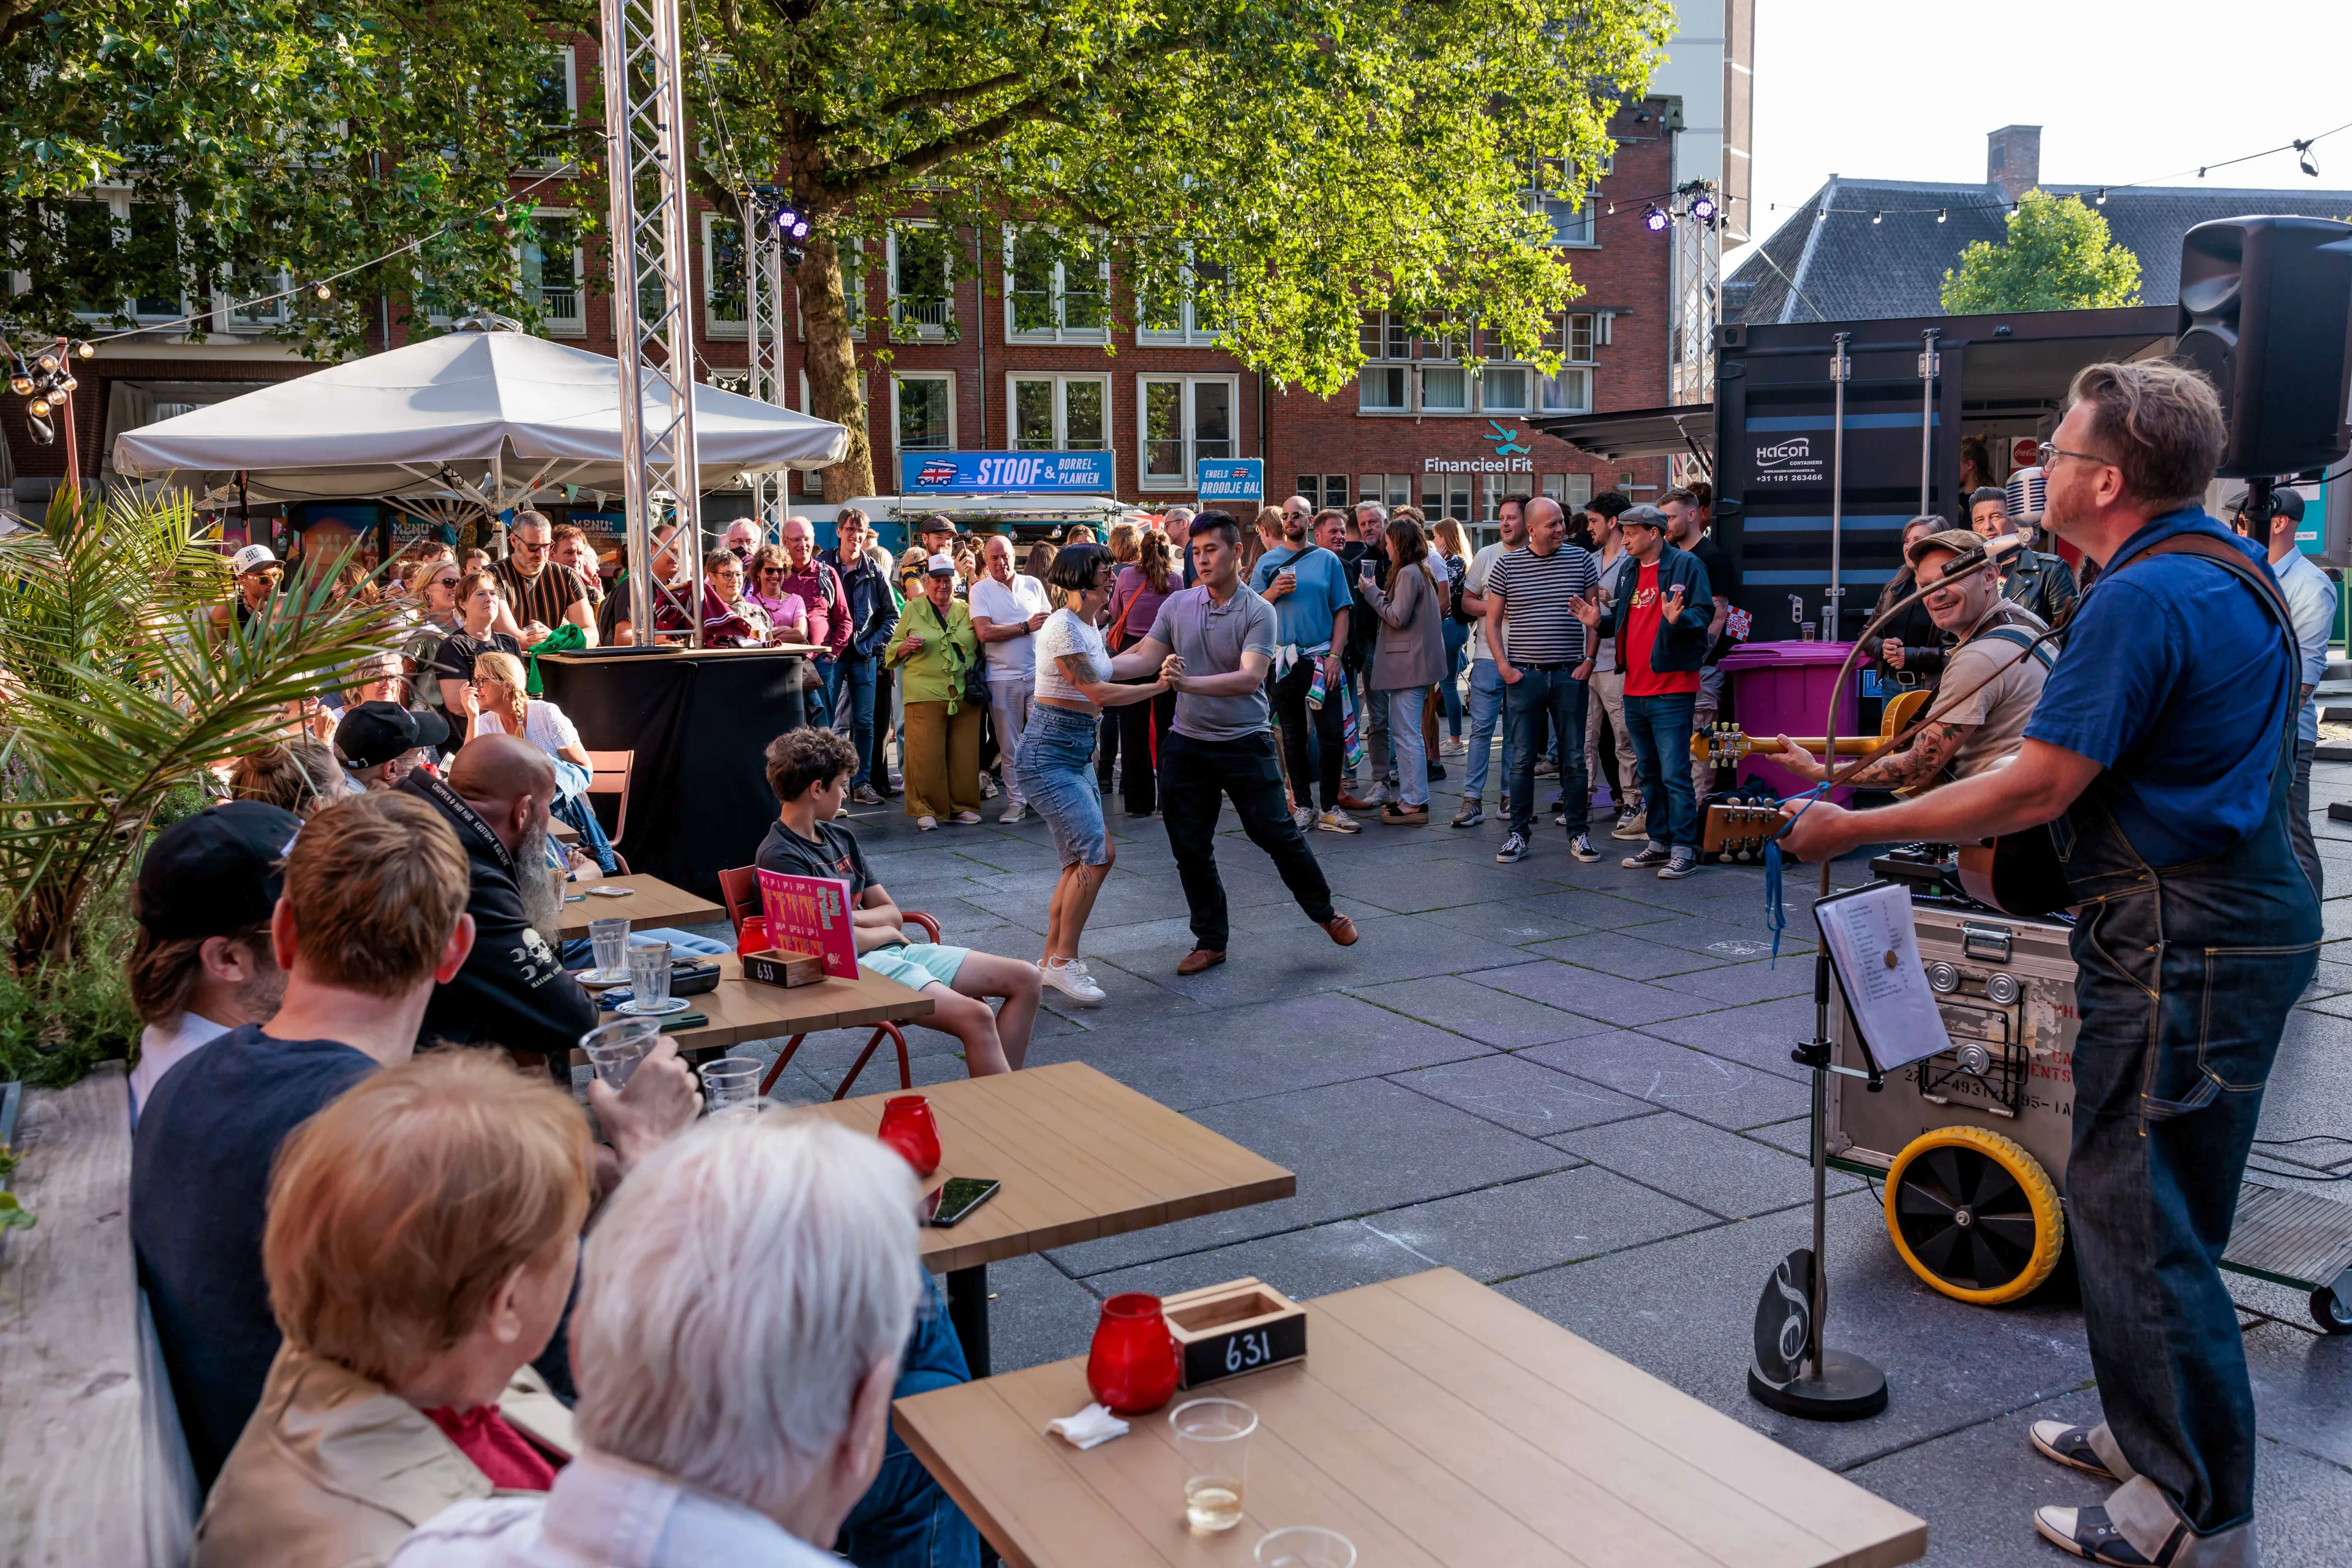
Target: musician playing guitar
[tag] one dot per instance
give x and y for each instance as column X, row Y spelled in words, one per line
column 2165, row 740
column 1992, row 678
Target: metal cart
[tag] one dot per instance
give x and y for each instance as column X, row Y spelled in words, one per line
column 1968, row 1142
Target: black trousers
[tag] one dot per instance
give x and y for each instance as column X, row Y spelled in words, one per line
column 1290, row 712
column 1142, row 728
column 1195, row 777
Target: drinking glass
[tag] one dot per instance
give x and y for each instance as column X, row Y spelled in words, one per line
column 649, row 974
column 1212, row 1438
column 731, row 1083
column 615, row 1049
column 610, row 937
column 1809, row 632
column 1306, row 1546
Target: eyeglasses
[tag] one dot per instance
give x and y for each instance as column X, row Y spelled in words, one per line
column 446, row 582
column 2045, row 451
column 534, row 546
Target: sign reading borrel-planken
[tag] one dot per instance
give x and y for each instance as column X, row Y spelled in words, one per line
column 1006, row 473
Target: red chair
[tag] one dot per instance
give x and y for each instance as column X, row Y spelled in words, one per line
column 738, row 887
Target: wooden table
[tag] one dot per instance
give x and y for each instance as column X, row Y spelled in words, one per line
column 1434, row 1423
column 654, row 903
column 741, row 1009
column 1081, row 1156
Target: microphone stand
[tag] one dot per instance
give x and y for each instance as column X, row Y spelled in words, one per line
column 1832, row 1384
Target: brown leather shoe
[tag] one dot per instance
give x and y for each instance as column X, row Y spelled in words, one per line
column 1394, row 815
column 1342, row 930
column 1201, row 958
column 1348, row 802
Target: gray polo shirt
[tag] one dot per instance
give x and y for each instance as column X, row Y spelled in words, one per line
column 1211, row 639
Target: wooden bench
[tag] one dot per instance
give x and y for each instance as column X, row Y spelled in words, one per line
column 93, row 1466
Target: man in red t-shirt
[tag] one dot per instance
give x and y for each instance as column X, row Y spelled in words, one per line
column 1660, row 616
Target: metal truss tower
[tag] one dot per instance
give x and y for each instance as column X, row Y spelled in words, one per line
column 646, row 168
column 763, row 314
column 1697, row 293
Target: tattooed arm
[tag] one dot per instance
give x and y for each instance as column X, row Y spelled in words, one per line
column 1935, row 745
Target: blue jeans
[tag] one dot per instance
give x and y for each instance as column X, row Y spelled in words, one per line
column 2185, row 977
column 1055, row 769
column 851, row 695
column 817, row 702
column 905, row 1519
column 1558, row 698
column 1404, row 732
column 1457, row 641
column 1660, row 728
column 1485, row 708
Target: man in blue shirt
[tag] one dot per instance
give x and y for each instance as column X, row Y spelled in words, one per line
column 1308, row 586
column 2166, row 738
column 2310, row 600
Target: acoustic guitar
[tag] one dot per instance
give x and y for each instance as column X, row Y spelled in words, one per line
column 1724, row 745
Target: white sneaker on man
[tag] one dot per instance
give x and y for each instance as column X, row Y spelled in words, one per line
column 1069, row 976
column 1337, row 821
column 1305, row 818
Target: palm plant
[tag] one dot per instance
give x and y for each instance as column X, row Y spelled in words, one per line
column 115, row 692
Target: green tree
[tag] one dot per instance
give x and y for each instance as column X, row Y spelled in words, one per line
column 1291, row 164
column 158, row 155
column 2057, row 256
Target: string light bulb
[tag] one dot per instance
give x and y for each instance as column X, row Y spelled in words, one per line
column 323, row 289
column 2103, row 195
column 86, row 351
column 1942, row 214
column 22, row 385
column 47, row 361
column 39, row 407
column 1878, row 218
column 67, row 385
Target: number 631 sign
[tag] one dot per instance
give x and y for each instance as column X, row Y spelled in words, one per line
column 1227, row 1329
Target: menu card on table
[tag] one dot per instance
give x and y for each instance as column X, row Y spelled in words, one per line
column 810, row 914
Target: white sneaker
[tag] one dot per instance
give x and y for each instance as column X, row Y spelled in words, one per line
column 1337, row 821
column 1069, row 976
column 1015, row 814
column 1305, row 818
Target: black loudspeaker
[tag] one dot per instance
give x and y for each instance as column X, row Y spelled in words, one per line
column 2266, row 312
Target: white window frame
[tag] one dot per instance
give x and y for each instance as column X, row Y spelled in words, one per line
column 713, row 324
column 228, row 287
column 117, row 201
column 1188, row 334
column 853, row 299
column 922, row 330
column 897, row 377
column 1147, row 480
column 1059, row 333
column 1540, row 202
column 1573, row 369
column 576, row 325
column 1062, row 383
column 570, row 114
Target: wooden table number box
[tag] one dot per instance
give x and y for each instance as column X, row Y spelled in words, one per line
column 1226, row 1330
column 774, row 967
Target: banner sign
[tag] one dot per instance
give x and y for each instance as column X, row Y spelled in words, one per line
column 1006, row 473
column 1232, row 479
column 811, row 915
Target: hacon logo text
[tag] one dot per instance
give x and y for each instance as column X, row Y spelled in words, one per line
column 1789, row 462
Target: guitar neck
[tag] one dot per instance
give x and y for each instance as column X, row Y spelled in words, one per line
column 1847, row 745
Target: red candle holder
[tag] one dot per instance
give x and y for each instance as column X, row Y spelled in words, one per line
column 1133, row 1364
column 908, row 1127
column 751, row 936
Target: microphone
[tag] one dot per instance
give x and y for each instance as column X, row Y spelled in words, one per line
column 1987, row 553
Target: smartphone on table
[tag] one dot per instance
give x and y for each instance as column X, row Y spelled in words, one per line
column 957, row 1196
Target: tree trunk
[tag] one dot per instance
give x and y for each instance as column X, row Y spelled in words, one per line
column 831, row 366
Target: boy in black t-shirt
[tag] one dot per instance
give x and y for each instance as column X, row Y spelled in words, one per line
column 810, row 769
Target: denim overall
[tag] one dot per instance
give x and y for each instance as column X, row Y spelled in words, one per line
column 2185, row 976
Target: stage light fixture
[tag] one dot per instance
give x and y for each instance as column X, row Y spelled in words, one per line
column 1702, row 207
column 1655, row 220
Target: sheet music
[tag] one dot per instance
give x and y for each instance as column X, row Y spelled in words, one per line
column 1871, row 942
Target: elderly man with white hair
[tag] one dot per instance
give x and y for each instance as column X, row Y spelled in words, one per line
column 743, row 1303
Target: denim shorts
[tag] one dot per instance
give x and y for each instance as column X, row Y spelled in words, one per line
column 916, row 964
column 1056, row 768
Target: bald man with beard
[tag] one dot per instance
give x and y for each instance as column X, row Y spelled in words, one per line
column 513, row 990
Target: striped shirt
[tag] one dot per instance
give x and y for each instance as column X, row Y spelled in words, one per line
column 543, row 598
column 1535, row 591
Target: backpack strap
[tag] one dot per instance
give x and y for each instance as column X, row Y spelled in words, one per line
column 2017, row 637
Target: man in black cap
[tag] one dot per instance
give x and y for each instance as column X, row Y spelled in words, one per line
column 202, row 963
column 374, row 742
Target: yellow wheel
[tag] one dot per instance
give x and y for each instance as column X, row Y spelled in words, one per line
column 1974, row 1214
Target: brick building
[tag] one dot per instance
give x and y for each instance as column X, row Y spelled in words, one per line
column 1023, row 357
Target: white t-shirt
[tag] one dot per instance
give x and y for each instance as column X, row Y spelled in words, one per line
column 544, row 725
column 1474, row 581
column 159, row 1051
column 1009, row 604
column 1064, row 633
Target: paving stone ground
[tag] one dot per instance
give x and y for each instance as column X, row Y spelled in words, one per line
column 1572, row 1083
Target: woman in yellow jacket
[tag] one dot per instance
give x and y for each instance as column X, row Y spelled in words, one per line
column 932, row 649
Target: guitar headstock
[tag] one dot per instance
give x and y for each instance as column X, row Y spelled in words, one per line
column 1740, row 832
column 1723, row 745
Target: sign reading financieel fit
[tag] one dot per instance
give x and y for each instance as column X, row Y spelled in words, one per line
column 1006, row 473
